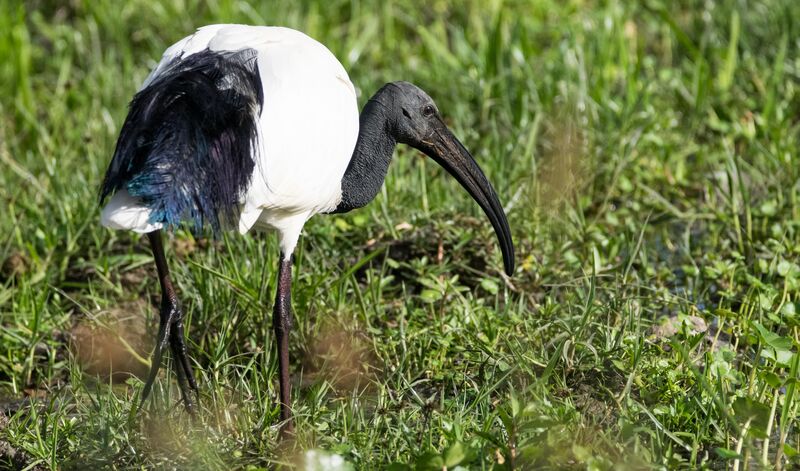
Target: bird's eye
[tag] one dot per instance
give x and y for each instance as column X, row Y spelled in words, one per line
column 428, row 111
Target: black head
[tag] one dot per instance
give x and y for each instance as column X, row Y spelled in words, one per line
column 415, row 121
column 414, row 112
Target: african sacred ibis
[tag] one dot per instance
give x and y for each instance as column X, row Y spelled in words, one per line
column 258, row 127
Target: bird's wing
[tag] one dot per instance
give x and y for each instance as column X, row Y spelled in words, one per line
column 308, row 125
column 189, row 45
column 187, row 148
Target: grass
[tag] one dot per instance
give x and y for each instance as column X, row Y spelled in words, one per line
column 647, row 154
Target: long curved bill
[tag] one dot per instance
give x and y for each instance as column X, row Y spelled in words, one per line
column 443, row 147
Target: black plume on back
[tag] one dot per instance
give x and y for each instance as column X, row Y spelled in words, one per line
column 187, row 148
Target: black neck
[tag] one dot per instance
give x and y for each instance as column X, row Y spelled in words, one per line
column 370, row 161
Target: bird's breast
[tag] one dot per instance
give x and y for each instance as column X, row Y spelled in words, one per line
column 307, row 132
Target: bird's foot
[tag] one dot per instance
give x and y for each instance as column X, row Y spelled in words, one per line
column 183, row 366
column 171, row 331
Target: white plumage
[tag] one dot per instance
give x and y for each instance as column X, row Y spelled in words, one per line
column 307, row 130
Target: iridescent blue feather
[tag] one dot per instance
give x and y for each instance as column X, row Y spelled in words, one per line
column 187, row 147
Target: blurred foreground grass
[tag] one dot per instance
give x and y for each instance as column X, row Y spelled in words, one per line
column 647, row 156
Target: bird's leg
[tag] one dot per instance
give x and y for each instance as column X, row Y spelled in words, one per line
column 170, row 330
column 282, row 323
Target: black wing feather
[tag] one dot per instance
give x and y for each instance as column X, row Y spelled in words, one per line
column 187, row 147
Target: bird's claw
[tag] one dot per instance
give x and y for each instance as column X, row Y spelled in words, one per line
column 183, row 367
column 171, row 331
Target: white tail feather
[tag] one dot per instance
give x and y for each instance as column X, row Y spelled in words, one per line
column 126, row 212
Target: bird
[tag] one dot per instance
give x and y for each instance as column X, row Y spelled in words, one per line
column 244, row 128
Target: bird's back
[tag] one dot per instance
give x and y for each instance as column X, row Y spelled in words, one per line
column 305, row 132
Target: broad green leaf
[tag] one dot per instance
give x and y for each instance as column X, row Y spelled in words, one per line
column 727, row 454
column 789, row 450
column 772, row 339
column 490, row 285
column 429, row 461
column 455, row 454
column 772, row 379
column 430, row 295
column 786, row 268
column 757, row 413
